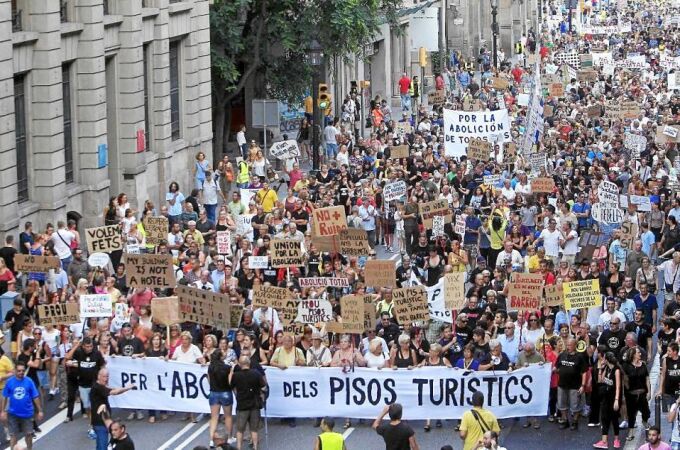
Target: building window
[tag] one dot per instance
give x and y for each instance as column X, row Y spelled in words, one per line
column 68, row 124
column 20, row 137
column 16, row 17
column 106, row 8
column 148, row 58
column 63, row 11
column 174, row 90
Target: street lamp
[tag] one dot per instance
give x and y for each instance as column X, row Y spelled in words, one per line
column 494, row 30
column 315, row 55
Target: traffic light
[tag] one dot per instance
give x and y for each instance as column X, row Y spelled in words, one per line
column 422, row 57
column 324, row 97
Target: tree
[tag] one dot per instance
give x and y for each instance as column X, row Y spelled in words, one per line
column 269, row 38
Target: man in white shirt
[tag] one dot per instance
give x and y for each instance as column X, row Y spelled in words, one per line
column 551, row 241
column 265, row 313
column 509, row 256
column 569, row 243
column 209, row 195
column 62, row 239
column 330, row 136
column 610, row 313
column 204, row 282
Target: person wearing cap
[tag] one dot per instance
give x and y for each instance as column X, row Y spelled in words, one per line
column 318, row 355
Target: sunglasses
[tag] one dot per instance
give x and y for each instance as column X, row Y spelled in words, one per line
column 533, row 320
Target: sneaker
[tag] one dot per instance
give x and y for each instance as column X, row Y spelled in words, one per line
column 37, row 429
column 140, row 416
column 601, row 444
column 623, row 424
column 62, row 405
column 646, row 425
column 231, row 440
column 617, row 443
column 131, row 416
column 68, row 419
column 593, row 425
column 211, row 444
column 91, row 434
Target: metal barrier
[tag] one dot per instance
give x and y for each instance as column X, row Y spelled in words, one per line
column 657, row 412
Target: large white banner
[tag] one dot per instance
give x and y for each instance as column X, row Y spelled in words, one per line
column 429, row 392
column 461, row 126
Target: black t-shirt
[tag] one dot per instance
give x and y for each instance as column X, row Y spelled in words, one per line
column 643, row 332
column 503, row 363
column 7, row 253
column 248, row 385
column 123, row 444
column 671, row 385
column 99, row 395
column 31, row 372
column 670, row 308
column 613, row 340
column 397, row 436
column 129, row 347
column 665, row 339
column 88, row 366
column 18, row 321
column 570, row 367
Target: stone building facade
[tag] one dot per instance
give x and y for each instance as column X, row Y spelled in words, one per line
column 99, row 97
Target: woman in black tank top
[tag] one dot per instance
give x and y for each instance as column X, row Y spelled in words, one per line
column 402, row 356
column 610, row 390
column 670, row 376
column 434, row 359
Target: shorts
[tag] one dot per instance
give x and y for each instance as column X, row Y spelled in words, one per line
column 221, row 398
column 568, row 399
column 19, row 426
column 85, row 396
column 249, row 417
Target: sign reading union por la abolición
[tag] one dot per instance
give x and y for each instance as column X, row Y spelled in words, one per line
column 461, row 126
column 428, row 392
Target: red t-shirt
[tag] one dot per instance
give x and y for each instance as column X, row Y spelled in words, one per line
column 517, row 74
column 404, row 85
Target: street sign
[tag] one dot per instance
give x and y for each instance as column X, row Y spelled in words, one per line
column 265, row 113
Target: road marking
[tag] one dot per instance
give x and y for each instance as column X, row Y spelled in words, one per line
column 191, row 438
column 176, row 436
column 48, row 426
column 347, row 432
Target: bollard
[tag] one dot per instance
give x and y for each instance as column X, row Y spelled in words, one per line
column 657, row 412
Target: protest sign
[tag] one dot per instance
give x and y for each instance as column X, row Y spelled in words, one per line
column 100, row 260
column 426, row 393
column 479, row 149
column 537, row 161
column 641, row 202
column 542, row 184
column 556, row 90
column 56, row 314
column 399, row 151
column 582, row 294
column 499, row 83
column 438, row 226
column 269, row 295
column 148, row 270
column 329, row 221
column 608, row 192
column 95, row 305
column 285, row 253
column 436, row 97
column 492, row 180
column 203, row 307
column 352, row 309
column 244, row 225
column 402, row 127
column 324, row 282
column 165, row 310
column 314, row 311
column 223, row 241
column 666, row 134
column 594, row 111
column 395, row 190
column 285, row 149
column 635, row 143
column 410, row 304
column 587, row 76
column 586, row 60
column 461, row 126
column 553, row 295
column 156, row 229
column 353, row 242
column 436, row 303
column 35, row 263
column 454, row 290
column 525, row 291
column 459, row 227
column 105, row 239
column 607, row 213
column 435, row 208
column 258, row 262
column 235, row 314
column 629, row 232
column 380, row 273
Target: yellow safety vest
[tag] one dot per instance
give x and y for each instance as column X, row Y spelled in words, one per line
column 243, row 176
column 331, row 441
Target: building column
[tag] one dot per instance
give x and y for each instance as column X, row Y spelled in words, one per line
column 506, row 20
column 199, row 43
column 8, row 161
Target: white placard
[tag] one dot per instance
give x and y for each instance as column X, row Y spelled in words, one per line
column 607, row 213
column 608, row 192
column 395, row 190
column 314, row 311
column 99, row 260
column 461, row 126
column 438, row 226
column 258, row 262
column 95, row 305
column 285, row 149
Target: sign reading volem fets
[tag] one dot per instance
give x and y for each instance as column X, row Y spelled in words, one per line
column 104, row 239
column 410, row 304
column 435, row 208
column 286, row 253
column 36, row 263
column 148, row 270
column 525, row 291
column 203, row 307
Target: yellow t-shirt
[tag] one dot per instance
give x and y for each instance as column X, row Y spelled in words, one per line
column 6, row 366
column 285, row 358
column 534, row 263
column 267, row 199
column 197, row 235
column 496, row 237
column 474, row 428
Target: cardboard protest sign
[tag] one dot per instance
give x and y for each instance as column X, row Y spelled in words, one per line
column 594, row 111
column 324, row 282
column 394, row 191
column 665, row 134
column 436, row 97
column 156, row 229
column 525, row 291
column 258, row 262
column 203, row 307
column 56, row 314
column 410, row 304
column 148, row 270
column 352, row 316
column 269, row 295
column 542, row 184
column 629, row 232
column 479, row 149
column 380, row 273
column 499, row 83
column 399, row 151
column 556, row 90
column 35, row 263
column 314, row 311
column 329, row 221
column 587, row 76
column 285, row 149
column 454, row 290
column 286, row 253
column 553, row 295
column 369, row 312
column 326, row 243
column 353, row 242
column 582, row 294
column 105, row 239
column 95, row 305
column 235, row 313
column 165, row 310
column 428, row 210
column 223, row 241
column 402, row 127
